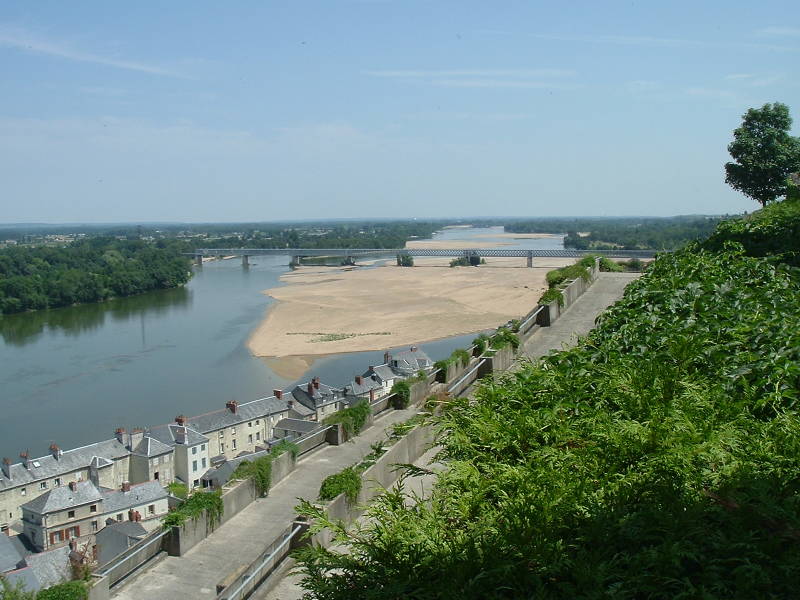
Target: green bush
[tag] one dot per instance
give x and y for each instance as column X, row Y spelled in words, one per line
column 481, row 344
column 178, row 489
column 402, row 394
column 406, row 260
column 352, row 418
column 208, row 503
column 551, row 295
column 505, row 337
column 259, row 471
column 70, row 590
column 346, row 482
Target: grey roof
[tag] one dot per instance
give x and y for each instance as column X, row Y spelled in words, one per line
column 43, row 570
column 222, row 474
column 150, row 446
column 10, row 556
column 384, row 373
column 114, row 539
column 69, row 461
column 321, row 394
column 167, row 434
column 297, row 425
column 357, row 389
column 219, row 419
column 64, row 497
column 141, row 493
column 412, row 360
column 300, row 410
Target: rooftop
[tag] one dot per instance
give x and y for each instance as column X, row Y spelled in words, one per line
column 140, row 493
column 64, row 497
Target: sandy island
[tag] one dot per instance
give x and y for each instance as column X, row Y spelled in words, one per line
column 329, row 311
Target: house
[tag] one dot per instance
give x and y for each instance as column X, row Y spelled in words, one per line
column 321, row 399
column 409, row 362
column 43, row 570
column 363, row 387
column 190, row 450
column 384, row 375
column 80, row 509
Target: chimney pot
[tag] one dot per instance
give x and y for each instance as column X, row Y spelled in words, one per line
column 290, row 403
column 316, row 383
column 310, row 388
column 358, row 379
column 55, row 451
column 73, row 485
column 278, row 394
column 232, row 405
column 386, row 357
column 24, row 457
column 372, row 395
column 126, row 486
column 180, row 419
column 413, row 348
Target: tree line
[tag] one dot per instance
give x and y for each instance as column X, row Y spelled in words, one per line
column 89, row 270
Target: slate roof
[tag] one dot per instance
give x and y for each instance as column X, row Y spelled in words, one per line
column 384, row 373
column 323, row 394
column 150, row 446
column 296, row 425
column 64, row 497
column 300, row 410
column 248, row 411
column 410, row 360
column 357, row 389
column 167, row 434
column 222, row 474
column 114, row 539
column 69, row 461
column 141, row 493
column 10, row 556
column 43, row 570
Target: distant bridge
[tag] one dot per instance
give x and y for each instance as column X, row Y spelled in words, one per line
column 353, row 253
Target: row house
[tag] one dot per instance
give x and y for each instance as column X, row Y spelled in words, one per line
column 79, row 510
column 317, row 399
column 377, row 381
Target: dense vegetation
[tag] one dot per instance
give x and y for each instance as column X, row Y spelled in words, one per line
column 69, row 590
column 259, row 471
column 658, row 459
column 199, row 503
column 353, row 418
column 89, row 270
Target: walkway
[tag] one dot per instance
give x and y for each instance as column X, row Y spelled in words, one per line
column 239, row 541
column 579, row 319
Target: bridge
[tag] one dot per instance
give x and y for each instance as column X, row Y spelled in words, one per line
column 351, row 254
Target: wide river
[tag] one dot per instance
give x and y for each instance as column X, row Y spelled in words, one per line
column 73, row 375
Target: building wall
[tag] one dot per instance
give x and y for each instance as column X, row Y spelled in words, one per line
column 144, row 469
column 243, row 437
column 11, row 499
column 39, row 527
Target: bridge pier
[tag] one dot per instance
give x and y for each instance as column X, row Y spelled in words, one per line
column 198, row 260
column 295, row 262
column 245, row 260
column 530, row 260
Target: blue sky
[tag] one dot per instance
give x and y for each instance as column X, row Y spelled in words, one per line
column 209, row 111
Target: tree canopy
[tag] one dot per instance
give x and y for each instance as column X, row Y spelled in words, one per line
column 764, row 153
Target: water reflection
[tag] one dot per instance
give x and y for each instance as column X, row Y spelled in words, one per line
column 74, row 321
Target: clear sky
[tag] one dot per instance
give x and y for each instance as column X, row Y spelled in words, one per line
column 266, row 110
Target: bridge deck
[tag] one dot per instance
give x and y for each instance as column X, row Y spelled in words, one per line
column 356, row 252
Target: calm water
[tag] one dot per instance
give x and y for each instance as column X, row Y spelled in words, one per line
column 73, row 375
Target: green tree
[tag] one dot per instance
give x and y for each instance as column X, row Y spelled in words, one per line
column 764, row 153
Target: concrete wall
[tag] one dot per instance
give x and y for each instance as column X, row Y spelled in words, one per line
column 313, row 440
column 282, row 466
column 502, row 359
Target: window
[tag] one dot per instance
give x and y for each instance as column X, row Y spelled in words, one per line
column 258, row 435
column 222, row 447
column 202, row 447
column 155, row 475
column 43, row 485
column 57, row 481
column 94, row 525
column 221, row 433
column 194, row 449
column 151, row 510
column 250, row 439
column 119, row 516
column 257, row 422
column 56, row 536
column 233, row 430
column 204, row 463
column 250, row 424
column 194, row 465
column 71, row 514
column 196, row 483
column 93, row 508
column 23, row 492
column 233, row 445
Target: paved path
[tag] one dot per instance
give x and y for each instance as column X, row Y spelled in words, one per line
column 579, row 318
column 239, row 541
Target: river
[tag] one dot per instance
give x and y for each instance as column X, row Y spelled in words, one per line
column 73, row 375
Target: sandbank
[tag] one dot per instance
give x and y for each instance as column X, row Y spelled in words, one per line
column 323, row 311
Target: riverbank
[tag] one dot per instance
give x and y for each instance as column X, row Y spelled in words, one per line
column 324, row 312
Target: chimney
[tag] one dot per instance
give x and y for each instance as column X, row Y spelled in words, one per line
column 372, row 395
column 126, row 486
column 25, row 460
column 371, row 368
column 137, row 435
column 413, row 348
column 232, row 405
column 316, row 383
column 358, row 380
column 180, row 434
column 278, row 394
column 7, row 468
column 290, row 403
column 120, row 434
column 56, row 451
column 73, row 545
column 387, row 357
column 73, row 486
column 310, row 389
column 180, row 419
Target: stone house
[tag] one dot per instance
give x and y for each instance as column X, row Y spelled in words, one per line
column 320, row 399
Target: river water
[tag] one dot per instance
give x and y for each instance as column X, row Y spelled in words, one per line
column 73, row 375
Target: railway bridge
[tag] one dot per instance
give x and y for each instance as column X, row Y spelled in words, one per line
column 352, row 254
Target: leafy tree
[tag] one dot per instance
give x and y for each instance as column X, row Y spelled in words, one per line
column 764, row 153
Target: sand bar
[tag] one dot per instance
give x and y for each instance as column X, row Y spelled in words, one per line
column 325, row 311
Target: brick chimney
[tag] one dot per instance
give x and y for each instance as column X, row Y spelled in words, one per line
column 119, row 433
column 413, row 348
column 7, row 468
column 371, row 368
column 278, row 394
column 137, row 435
column 180, row 419
column 310, row 389
column 316, row 383
column 372, row 395
column 290, row 403
column 387, row 357
column 25, row 459
column 358, row 380
column 232, row 405
column 180, row 434
column 126, row 486
column 56, row 451
column 73, row 486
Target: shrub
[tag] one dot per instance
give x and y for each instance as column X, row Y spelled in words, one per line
column 402, row 394
column 505, row 337
column 346, row 482
column 480, row 343
column 195, row 505
column 259, row 471
column 551, row 295
column 70, row 590
column 178, row 489
column 352, row 418
column 406, row 260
